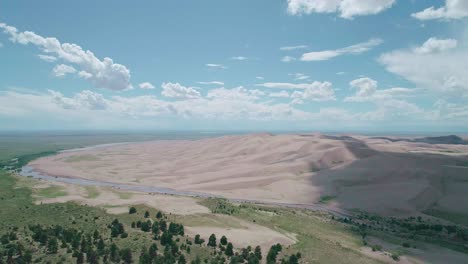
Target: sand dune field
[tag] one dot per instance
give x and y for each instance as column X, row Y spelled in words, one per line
column 380, row 175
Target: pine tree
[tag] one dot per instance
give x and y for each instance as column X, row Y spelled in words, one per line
column 258, row 252
column 212, row 241
column 223, row 240
column 229, row 250
column 52, row 246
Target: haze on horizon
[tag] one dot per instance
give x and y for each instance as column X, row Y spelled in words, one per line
column 346, row 65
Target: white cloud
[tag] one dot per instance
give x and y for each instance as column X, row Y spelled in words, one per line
column 282, row 85
column 212, row 83
column 259, row 78
column 288, row 48
column 288, row 59
column 104, row 73
column 217, row 66
column 453, row 9
column 443, row 72
column 85, row 74
column 1, row 45
column 347, row 8
column 239, row 58
column 175, row 90
column 238, row 93
column 146, row 85
column 281, row 94
column 367, row 91
column 91, row 110
column 365, row 86
column 83, row 100
column 315, row 91
column 47, row 58
column 61, row 70
column 353, row 49
column 436, row 45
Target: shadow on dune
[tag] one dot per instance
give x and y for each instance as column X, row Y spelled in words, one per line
column 391, row 183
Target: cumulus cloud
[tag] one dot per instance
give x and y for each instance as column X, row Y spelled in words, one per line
column 90, row 110
column 353, row 49
column 146, row 85
column 83, row 100
column 288, row 48
column 215, row 66
column 315, row 91
column 453, row 9
column 102, row 73
column 365, row 86
column 367, row 91
column 347, row 8
column 436, row 45
column 61, row 70
column 443, row 71
column 175, row 90
column 238, row 93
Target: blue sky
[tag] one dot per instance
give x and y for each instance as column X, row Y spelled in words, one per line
column 340, row 65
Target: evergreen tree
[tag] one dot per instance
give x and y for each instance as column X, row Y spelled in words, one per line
column 197, row 239
column 153, row 250
column 293, row 259
column 159, row 215
column 132, row 210
column 114, row 253
column 147, row 214
column 162, row 225
column 96, row 235
column 80, row 258
column 229, row 250
column 52, row 245
column 92, row 257
column 101, row 247
column 27, row 257
column 181, row 259
column 223, row 240
column 258, row 252
column 144, row 257
column 126, row 255
column 212, row 241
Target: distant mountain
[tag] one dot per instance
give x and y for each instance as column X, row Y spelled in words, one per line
column 451, row 140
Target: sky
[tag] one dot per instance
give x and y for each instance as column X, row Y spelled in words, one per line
column 318, row 65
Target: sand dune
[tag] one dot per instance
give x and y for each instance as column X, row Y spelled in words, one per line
column 394, row 177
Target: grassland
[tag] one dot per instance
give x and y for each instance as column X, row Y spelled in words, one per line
column 51, row 192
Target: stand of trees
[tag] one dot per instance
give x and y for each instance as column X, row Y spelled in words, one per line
column 169, row 246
